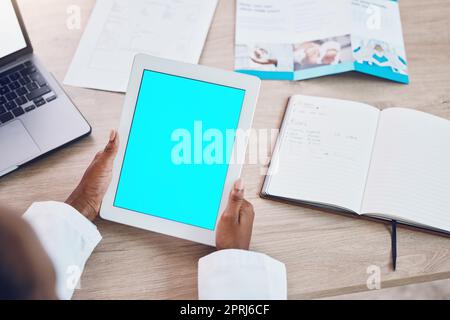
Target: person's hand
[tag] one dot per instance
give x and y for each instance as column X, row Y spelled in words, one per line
column 236, row 223
column 88, row 195
column 330, row 56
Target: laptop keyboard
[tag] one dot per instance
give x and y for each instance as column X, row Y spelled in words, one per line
column 23, row 89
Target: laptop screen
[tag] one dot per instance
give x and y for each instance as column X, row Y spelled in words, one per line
column 11, row 36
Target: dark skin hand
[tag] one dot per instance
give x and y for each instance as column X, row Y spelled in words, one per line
column 236, row 223
column 88, row 195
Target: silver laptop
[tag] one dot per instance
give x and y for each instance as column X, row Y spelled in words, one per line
column 36, row 116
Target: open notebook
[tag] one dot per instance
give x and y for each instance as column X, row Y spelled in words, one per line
column 390, row 164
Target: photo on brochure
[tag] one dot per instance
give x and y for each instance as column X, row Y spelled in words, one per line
column 294, row 57
column 265, row 57
column 325, row 52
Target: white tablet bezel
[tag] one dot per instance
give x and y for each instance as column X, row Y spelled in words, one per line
column 250, row 84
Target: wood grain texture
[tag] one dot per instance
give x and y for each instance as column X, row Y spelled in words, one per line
column 326, row 254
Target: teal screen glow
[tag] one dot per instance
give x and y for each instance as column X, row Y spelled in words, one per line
column 150, row 181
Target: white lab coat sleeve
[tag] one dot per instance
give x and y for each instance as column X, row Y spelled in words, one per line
column 241, row 275
column 67, row 237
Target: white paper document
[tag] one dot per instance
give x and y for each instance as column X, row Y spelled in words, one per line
column 120, row 29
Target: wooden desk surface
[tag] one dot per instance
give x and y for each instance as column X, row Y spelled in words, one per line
column 326, row 254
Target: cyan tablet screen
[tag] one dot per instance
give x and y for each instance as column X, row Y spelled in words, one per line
column 178, row 150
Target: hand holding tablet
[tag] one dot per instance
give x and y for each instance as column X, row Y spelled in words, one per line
column 175, row 169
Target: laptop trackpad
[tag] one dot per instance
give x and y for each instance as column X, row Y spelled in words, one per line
column 16, row 146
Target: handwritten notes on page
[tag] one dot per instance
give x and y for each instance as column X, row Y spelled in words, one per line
column 323, row 152
column 120, row 29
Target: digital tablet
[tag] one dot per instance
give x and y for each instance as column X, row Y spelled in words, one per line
column 183, row 134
